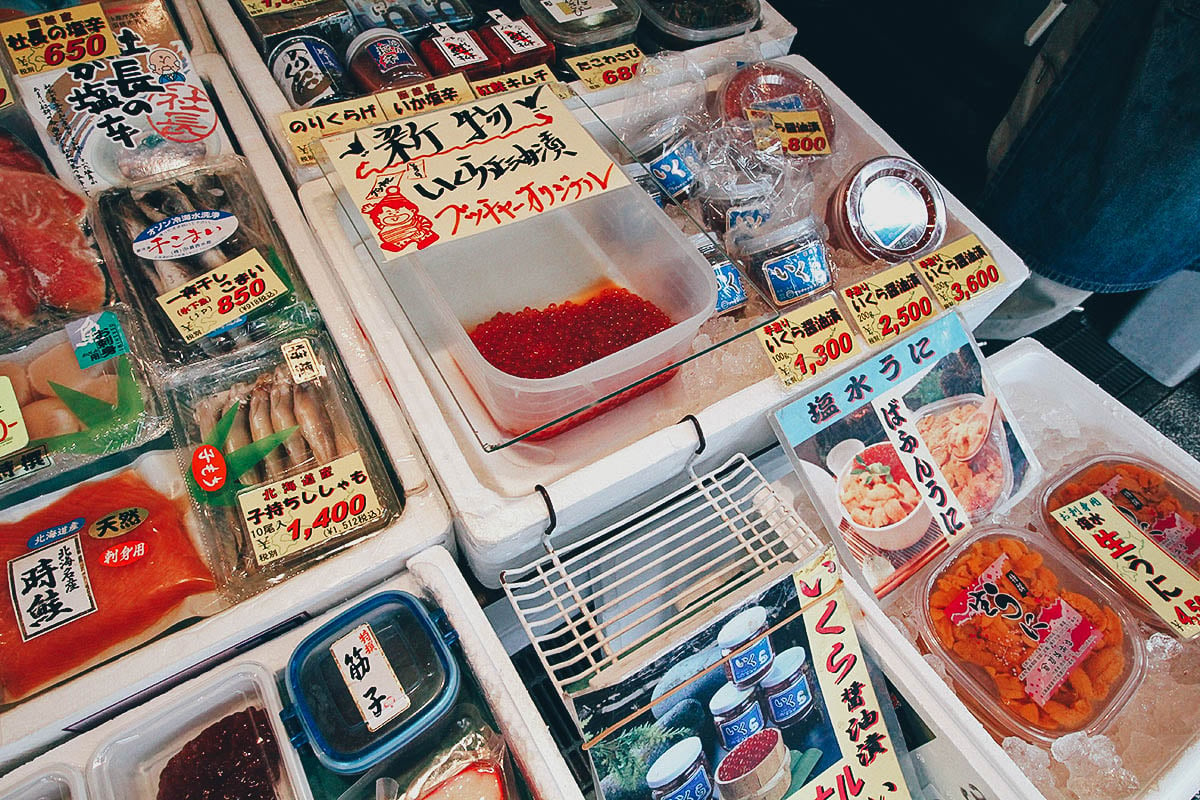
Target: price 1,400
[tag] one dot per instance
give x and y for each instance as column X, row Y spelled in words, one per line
column 830, row 350
column 906, row 315
column 338, row 512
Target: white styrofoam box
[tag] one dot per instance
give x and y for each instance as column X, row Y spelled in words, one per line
column 50, row 716
column 771, row 39
column 1026, row 372
column 431, row 575
column 195, row 29
column 499, row 513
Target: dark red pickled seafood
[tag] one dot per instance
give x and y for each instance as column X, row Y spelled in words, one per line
column 763, row 81
column 749, row 753
column 235, row 758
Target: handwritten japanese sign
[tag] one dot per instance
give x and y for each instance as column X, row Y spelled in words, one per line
column 59, row 39
column 257, row 8
column 221, row 296
column 960, row 270
column 302, row 361
column 869, row 766
column 801, row 133
column 888, row 303
column 521, row 79
column 608, row 67
column 13, row 433
column 810, row 339
column 369, row 677
column 1135, row 560
column 49, row 587
column 453, row 173
column 303, row 510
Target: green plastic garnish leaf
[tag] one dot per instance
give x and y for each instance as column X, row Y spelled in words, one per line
column 244, row 458
column 237, row 463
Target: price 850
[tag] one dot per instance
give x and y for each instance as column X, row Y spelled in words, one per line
column 241, row 295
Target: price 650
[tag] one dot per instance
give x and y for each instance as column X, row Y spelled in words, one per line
column 240, row 296
column 611, row 76
column 906, row 315
column 338, row 512
column 75, row 49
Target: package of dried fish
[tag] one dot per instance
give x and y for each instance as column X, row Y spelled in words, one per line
column 203, row 260
column 72, row 392
column 279, row 454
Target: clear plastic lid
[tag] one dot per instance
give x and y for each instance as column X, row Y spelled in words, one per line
column 772, row 238
column 1161, row 504
column 413, row 19
column 59, row 782
column 372, row 681
column 891, row 209
column 772, row 86
column 1031, row 641
column 584, row 24
column 985, row 481
column 225, row 738
column 698, row 21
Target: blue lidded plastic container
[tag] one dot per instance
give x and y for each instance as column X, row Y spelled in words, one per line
column 376, row 679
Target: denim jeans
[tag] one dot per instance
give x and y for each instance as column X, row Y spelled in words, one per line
column 1101, row 189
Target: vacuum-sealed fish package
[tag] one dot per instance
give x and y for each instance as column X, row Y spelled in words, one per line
column 95, row 569
column 72, row 392
column 48, row 264
column 279, row 455
column 202, row 258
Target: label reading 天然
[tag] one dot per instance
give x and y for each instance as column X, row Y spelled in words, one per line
column 96, row 338
column 1137, row 558
column 50, row 587
column 221, row 296
column 960, row 270
column 293, row 514
column 13, row 433
column 369, row 677
column 571, row 10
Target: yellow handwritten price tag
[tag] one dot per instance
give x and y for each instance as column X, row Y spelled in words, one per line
column 449, row 90
column 960, row 270
column 608, row 67
column 888, row 303
column 812, row 338
column 218, row 297
column 58, row 39
column 306, row 125
column 298, row 512
column 1135, row 560
column 6, row 94
column 256, row 8
column 13, row 433
column 801, row 133
column 522, row 79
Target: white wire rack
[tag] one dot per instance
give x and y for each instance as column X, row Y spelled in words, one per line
column 588, row 605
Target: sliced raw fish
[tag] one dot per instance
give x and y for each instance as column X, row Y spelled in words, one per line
column 15, row 155
column 18, row 304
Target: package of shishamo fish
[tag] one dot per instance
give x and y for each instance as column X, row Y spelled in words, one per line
column 198, row 253
column 278, row 456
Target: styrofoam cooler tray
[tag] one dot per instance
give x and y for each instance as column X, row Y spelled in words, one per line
column 772, row 39
column 499, row 514
column 39, row 722
column 195, row 29
column 431, row 575
column 1032, row 379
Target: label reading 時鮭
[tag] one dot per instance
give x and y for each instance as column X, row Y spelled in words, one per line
column 13, row 433
column 369, row 677
column 608, row 67
column 58, row 39
column 50, row 587
column 810, row 339
column 960, row 270
column 293, row 514
column 1136, row 560
column 221, row 296
column 888, row 303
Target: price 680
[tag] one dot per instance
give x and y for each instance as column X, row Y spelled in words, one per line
column 75, row 49
column 611, row 76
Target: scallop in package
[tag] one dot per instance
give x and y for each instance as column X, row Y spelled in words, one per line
column 279, row 455
column 905, row 452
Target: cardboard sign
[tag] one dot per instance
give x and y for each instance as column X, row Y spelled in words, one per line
column 59, row 39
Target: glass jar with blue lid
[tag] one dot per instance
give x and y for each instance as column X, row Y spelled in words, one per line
column 736, row 714
column 378, row 678
column 745, row 637
column 681, row 773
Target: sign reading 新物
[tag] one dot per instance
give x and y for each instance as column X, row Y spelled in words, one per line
column 449, row 174
column 58, row 39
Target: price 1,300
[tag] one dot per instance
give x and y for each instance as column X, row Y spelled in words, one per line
column 831, row 350
column 906, row 315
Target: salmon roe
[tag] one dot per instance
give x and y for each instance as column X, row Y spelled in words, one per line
column 544, row 343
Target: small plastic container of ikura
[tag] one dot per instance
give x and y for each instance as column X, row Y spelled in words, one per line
column 1033, row 644
column 449, row 51
column 278, row 456
column 377, row 680
column 1137, row 525
column 516, row 43
column 202, row 259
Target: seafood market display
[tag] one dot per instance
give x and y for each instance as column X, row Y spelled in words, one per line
column 235, row 758
column 970, row 451
column 281, row 460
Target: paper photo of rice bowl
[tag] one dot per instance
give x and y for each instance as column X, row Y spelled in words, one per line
column 879, row 500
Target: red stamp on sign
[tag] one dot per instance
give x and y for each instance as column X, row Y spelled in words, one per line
column 208, row 468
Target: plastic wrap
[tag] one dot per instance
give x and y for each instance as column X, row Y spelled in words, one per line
column 280, row 460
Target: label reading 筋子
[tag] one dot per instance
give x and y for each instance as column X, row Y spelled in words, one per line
column 369, row 677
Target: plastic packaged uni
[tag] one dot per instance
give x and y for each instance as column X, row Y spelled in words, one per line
column 203, row 260
column 1030, row 641
column 279, row 456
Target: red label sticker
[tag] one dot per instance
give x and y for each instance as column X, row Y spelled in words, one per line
column 208, row 468
column 121, row 555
